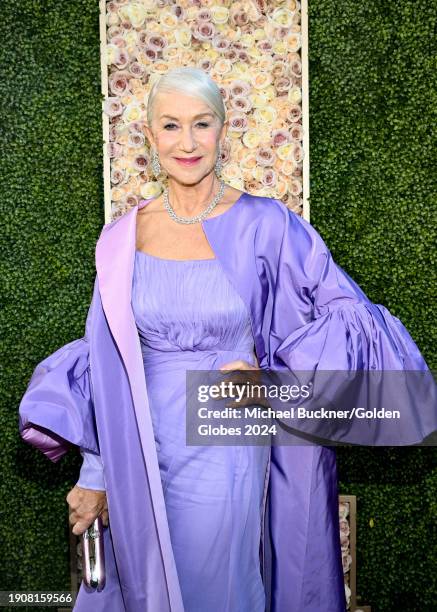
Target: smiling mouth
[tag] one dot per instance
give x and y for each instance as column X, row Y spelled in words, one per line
column 187, row 161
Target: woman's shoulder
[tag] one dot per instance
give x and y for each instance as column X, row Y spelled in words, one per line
column 272, row 212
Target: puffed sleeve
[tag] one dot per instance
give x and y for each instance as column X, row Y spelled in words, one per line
column 337, row 328
column 56, row 410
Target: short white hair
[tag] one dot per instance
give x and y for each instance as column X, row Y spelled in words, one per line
column 191, row 82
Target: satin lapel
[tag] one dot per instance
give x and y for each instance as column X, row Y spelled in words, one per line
column 231, row 236
column 115, row 254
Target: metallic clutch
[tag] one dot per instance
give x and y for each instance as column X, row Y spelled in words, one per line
column 93, row 557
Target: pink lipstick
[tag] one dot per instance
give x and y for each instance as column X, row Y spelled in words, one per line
column 187, row 161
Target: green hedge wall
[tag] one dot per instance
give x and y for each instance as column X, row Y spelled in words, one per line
column 373, row 103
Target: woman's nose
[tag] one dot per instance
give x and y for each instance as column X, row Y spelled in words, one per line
column 187, row 140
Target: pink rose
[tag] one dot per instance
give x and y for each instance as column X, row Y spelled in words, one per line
column 241, row 103
column 179, row 11
column 344, row 541
column 294, row 113
column 226, row 152
column 141, row 163
column 205, row 64
column 204, row 31
column 231, row 54
column 112, row 133
column 280, row 137
column 296, row 68
column 151, row 54
column 264, row 45
column 279, row 69
column 243, row 57
column 296, row 131
column 136, row 140
column 239, row 88
column 225, row 92
column 238, row 122
column 136, row 69
column 295, row 186
column 119, row 41
column 114, row 150
column 118, row 83
column 204, row 15
column 112, row 32
column 282, row 85
column 262, row 6
column 269, row 178
column 117, row 176
column 113, row 107
column 121, row 59
column 220, row 44
column 157, row 42
column 265, row 156
column 344, row 527
column 239, row 17
column 143, row 38
column 131, row 200
column 112, row 7
column 281, row 33
column 346, row 561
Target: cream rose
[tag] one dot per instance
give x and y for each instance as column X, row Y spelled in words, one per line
column 150, row 190
column 168, row 20
column 294, row 41
column 231, row 171
column 294, row 95
column 112, row 19
column 111, row 54
column 266, row 114
column 183, row 36
column 132, row 112
column 282, row 17
column 134, row 12
column 251, row 139
column 117, row 194
column 220, row 14
column 171, row 53
column 261, row 80
column 222, row 66
column 286, row 167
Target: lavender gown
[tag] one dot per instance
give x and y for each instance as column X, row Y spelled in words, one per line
column 189, row 317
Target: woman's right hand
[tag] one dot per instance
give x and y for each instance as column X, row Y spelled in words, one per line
column 85, row 505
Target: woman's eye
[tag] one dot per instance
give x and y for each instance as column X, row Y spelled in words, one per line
column 202, row 124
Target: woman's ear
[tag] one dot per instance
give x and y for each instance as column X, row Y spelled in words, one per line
column 223, row 132
column 149, row 135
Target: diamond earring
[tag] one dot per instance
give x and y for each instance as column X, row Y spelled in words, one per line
column 219, row 162
column 156, row 166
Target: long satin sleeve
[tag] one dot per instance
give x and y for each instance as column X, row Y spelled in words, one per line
column 342, row 330
column 91, row 472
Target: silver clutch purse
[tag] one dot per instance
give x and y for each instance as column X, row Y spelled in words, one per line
column 93, row 556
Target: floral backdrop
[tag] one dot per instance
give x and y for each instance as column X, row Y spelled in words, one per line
column 251, row 48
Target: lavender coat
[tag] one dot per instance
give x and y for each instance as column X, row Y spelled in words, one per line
column 305, row 311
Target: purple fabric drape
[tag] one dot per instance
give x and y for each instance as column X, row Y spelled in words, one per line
column 92, row 393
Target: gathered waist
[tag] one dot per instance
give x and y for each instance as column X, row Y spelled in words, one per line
column 153, row 356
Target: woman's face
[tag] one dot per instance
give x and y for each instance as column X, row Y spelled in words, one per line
column 186, row 134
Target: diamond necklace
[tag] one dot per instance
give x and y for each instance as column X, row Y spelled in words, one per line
column 198, row 217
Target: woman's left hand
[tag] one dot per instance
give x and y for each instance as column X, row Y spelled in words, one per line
column 253, row 377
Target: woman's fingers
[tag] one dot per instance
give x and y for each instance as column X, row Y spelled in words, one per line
column 85, row 506
column 243, row 375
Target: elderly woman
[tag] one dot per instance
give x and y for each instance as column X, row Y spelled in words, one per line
column 205, row 277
